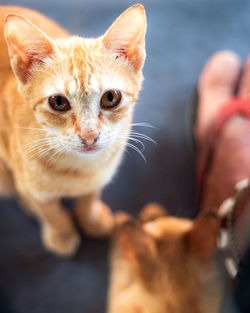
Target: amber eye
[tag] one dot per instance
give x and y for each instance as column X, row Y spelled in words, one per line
column 110, row 99
column 59, row 103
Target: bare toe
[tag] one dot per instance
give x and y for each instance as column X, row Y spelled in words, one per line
column 216, row 85
column 230, row 153
column 244, row 89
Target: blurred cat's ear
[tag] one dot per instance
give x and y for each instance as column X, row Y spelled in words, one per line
column 201, row 239
column 152, row 211
column 27, row 45
column 126, row 36
column 137, row 247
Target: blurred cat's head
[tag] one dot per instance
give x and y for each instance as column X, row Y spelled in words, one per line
column 165, row 265
column 81, row 91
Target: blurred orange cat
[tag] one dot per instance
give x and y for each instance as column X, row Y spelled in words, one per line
column 66, row 112
column 165, row 264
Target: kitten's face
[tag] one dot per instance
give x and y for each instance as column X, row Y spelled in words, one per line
column 82, row 91
column 87, row 100
column 162, row 267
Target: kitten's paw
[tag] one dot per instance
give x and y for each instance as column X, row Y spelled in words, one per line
column 62, row 244
column 99, row 222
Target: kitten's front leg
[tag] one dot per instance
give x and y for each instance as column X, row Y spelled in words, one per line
column 57, row 228
column 94, row 216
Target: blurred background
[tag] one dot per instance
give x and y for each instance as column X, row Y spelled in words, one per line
column 181, row 36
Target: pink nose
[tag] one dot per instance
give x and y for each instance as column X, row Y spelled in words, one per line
column 89, row 140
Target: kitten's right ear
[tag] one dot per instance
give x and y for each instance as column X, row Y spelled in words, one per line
column 27, row 45
column 126, row 36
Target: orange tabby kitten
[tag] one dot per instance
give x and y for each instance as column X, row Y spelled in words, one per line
column 165, row 265
column 66, row 110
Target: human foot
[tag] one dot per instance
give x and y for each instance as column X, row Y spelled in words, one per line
column 216, row 86
column 231, row 153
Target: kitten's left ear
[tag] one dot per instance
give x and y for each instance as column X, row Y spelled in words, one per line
column 27, row 44
column 126, row 36
column 151, row 212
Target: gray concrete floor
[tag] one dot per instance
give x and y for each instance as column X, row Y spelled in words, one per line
column 181, row 36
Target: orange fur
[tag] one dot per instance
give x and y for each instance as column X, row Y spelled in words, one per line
column 164, row 265
column 41, row 156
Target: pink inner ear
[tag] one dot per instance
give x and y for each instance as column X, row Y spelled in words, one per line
column 126, row 36
column 26, row 59
column 27, row 45
column 122, row 53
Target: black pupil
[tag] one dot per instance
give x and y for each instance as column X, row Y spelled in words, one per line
column 59, row 101
column 110, row 97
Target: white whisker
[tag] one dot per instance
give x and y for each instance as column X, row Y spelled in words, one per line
column 142, row 125
column 36, row 144
column 137, row 141
column 38, row 149
column 142, row 136
column 56, row 153
column 137, row 150
column 41, row 153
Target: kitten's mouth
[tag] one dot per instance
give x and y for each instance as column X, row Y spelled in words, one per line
column 88, row 149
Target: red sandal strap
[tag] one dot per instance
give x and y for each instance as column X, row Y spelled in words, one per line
column 235, row 106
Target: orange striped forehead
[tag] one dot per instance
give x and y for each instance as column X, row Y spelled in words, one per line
column 82, row 70
column 88, row 68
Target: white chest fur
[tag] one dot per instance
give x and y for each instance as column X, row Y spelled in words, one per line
column 73, row 183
